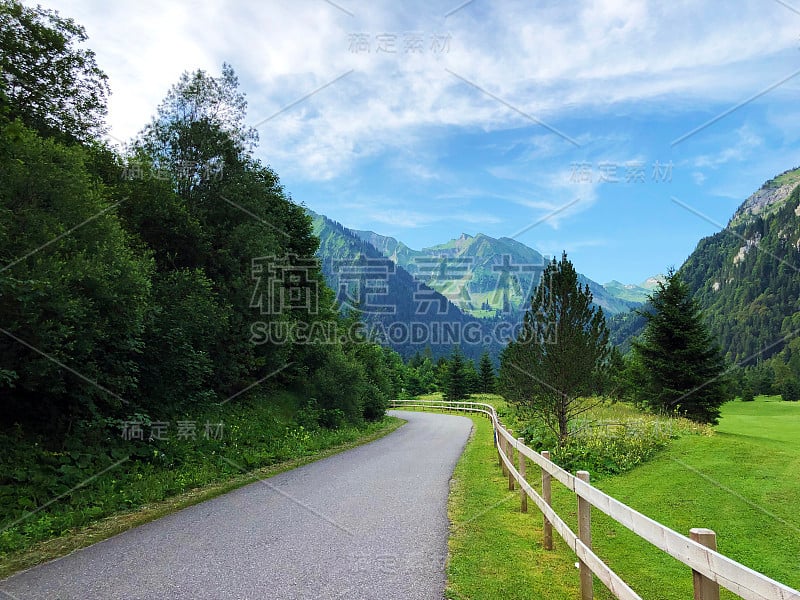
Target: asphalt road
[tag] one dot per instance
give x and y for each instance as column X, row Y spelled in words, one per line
column 368, row 523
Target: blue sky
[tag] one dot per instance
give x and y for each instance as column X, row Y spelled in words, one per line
column 565, row 124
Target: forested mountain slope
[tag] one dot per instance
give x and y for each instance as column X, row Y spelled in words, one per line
column 747, row 277
column 405, row 313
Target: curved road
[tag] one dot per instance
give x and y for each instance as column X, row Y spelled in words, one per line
column 368, row 523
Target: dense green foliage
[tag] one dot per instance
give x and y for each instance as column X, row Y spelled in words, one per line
column 136, row 288
column 75, row 304
column 561, row 353
column 456, row 376
column 623, row 327
column 48, row 82
column 677, row 367
column 419, row 375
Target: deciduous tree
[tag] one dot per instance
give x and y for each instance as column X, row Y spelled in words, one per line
column 46, row 79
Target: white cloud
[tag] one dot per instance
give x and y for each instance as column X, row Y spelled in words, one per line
column 548, row 61
column 554, row 195
column 746, row 142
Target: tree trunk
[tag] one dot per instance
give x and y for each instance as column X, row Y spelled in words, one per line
column 563, row 426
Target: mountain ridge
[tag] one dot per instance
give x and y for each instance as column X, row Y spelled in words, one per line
column 485, row 275
column 418, row 316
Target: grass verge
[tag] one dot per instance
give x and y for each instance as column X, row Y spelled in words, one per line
column 81, row 537
column 496, row 550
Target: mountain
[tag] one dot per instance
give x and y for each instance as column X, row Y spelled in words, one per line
column 769, row 198
column 481, row 285
column 633, row 292
column 389, row 247
column 651, row 283
column 403, row 312
column 746, row 278
column 483, row 276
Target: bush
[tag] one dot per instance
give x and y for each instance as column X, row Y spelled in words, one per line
column 747, row 393
column 608, row 448
column 613, row 449
column 790, row 390
column 375, row 404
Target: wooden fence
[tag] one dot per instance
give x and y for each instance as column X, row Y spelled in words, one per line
column 710, row 569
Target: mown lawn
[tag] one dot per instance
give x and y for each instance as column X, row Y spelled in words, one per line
column 742, row 482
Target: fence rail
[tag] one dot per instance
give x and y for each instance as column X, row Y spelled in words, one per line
column 710, row 569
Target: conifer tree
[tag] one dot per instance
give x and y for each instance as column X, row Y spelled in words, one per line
column 456, row 384
column 560, row 355
column 486, row 374
column 682, row 368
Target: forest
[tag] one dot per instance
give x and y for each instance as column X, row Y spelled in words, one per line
column 129, row 279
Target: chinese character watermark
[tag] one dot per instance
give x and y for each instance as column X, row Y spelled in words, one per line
column 627, row 172
column 364, row 284
column 409, row 42
column 197, row 171
column 285, row 283
column 162, row 430
column 447, row 278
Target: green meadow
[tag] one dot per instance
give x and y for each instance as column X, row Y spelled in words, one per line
column 740, row 479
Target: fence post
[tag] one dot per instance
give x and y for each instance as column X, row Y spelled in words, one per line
column 499, row 443
column 510, row 453
column 704, row 588
column 503, row 448
column 546, row 494
column 523, row 496
column 585, row 535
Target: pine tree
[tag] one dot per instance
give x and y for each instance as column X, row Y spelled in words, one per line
column 790, row 390
column 682, row 367
column 560, row 355
column 456, row 384
column 471, row 377
column 486, row 373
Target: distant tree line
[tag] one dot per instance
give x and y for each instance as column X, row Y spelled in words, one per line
column 456, row 377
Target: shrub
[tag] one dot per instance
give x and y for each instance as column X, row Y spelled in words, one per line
column 609, row 447
column 790, row 390
column 747, row 393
